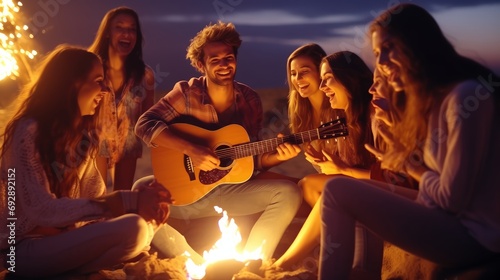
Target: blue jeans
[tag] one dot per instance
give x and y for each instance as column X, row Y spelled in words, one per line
column 278, row 200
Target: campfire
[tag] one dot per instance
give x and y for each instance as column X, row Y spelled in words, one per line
column 222, row 261
column 224, row 255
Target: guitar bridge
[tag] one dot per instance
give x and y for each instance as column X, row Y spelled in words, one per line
column 188, row 166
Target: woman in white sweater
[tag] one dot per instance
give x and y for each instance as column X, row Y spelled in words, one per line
column 52, row 197
column 447, row 140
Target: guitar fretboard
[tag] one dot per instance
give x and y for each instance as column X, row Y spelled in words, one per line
column 269, row 145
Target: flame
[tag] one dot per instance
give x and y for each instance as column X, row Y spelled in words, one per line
column 224, row 249
column 12, row 38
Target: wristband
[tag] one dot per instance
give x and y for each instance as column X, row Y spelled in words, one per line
column 129, row 201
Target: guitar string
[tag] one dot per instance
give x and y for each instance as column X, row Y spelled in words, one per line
column 254, row 147
column 247, row 149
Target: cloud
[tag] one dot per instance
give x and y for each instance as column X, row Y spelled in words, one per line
column 274, row 28
column 260, row 18
column 283, row 17
column 473, row 30
column 176, row 18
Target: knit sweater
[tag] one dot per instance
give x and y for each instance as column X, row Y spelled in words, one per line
column 24, row 184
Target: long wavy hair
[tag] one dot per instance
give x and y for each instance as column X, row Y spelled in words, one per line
column 355, row 76
column 430, row 66
column 395, row 101
column 300, row 109
column 64, row 138
column 134, row 63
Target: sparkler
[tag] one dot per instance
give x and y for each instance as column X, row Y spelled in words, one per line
column 13, row 36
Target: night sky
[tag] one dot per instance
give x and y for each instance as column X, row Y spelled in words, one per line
column 270, row 30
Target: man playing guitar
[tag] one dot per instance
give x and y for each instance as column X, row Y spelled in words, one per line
column 213, row 101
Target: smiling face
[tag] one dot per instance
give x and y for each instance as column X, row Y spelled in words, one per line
column 219, row 63
column 387, row 58
column 304, row 76
column 334, row 90
column 123, row 34
column 380, row 101
column 91, row 91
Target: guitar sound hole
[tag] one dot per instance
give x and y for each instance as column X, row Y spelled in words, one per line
column 225, row 159
column 225, row 162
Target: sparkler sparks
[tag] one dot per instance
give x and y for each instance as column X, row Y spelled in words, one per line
column 13, row 38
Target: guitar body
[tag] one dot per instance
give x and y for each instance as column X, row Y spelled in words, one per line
column 186, row 183
column 232, row 146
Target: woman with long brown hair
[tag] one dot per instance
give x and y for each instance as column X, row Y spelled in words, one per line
column 119, row 43
column 62, row 219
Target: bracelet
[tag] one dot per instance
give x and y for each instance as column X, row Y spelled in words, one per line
column 129, row 201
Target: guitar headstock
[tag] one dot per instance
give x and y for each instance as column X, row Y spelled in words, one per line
column 333, row 129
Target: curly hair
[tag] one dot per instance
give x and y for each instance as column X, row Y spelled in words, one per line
column 219, row 32
column 65, row 138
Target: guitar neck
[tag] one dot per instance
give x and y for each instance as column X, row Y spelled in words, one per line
column 269, row 145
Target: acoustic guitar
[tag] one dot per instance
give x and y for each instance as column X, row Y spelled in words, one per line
column 232, row 145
